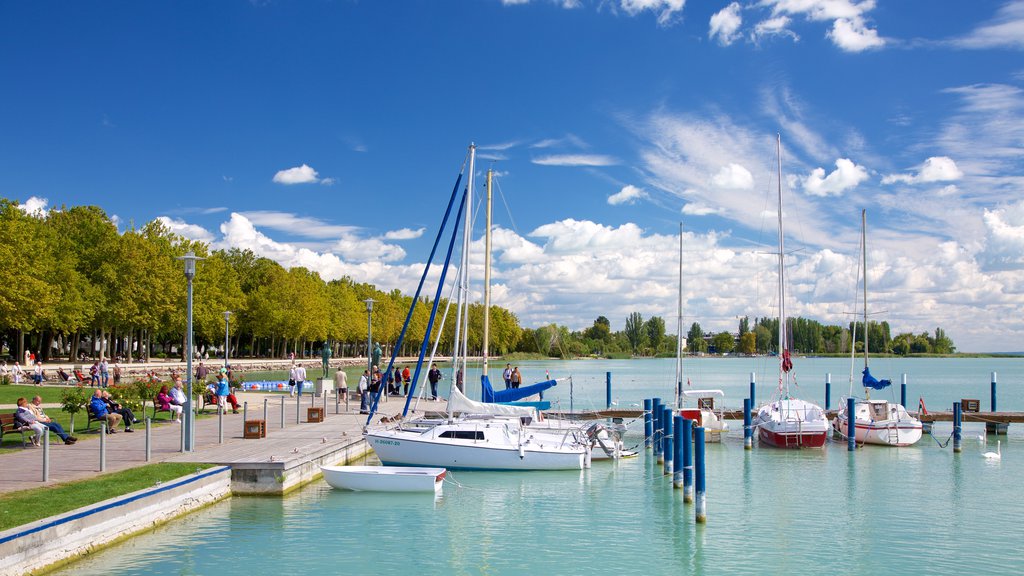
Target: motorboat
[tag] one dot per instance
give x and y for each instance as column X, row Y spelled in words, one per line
column 706, row 414
column 384, row 478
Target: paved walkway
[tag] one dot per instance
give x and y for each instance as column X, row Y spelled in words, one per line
column 22, row 469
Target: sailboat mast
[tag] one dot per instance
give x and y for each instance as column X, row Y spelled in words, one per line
column 487, row 273
column 782, row 267
column 864, row 254
column 679, row 324
column 461, row 324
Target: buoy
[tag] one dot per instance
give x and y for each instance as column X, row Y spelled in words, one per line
column 280, row 385
column 253, row 387
column 998, row 454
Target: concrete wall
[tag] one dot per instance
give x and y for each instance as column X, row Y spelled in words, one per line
column 29, row 548
column 273, row 478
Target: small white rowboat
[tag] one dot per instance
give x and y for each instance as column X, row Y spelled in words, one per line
column 384, row 478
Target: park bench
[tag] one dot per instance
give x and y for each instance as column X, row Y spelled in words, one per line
column 9, row 424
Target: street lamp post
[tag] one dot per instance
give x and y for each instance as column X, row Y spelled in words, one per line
column 227, row 339
column 189, row 428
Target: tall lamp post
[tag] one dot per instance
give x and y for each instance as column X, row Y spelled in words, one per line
column 369, row 337
column 227, row 339
column 190, row 272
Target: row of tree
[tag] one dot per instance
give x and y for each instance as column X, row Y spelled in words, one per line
column 80, row 286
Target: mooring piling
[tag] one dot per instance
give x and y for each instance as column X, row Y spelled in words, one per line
column 656, row 422
column 668, row 448
column 753, row 403
column 677, row 452
column 748, row 430
column 903, row 390
column 608, row 389
column 828, row 390
column 851, row 426
column 992, row 402
column 698, row 451
column 995, row 427
column 957, row 427
column 648, row 429
column 687, row 460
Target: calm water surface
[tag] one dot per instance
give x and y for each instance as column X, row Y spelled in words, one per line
column 878, row 511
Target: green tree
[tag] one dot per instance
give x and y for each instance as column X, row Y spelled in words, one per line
column 655, row 329
column 748, row 343
column 695, row 339
column 635, row 331
column 723, row 342
column 601, row 330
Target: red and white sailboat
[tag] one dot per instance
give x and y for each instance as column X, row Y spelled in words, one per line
column 788, row 422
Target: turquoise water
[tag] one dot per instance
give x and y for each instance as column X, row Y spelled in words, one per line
column 877, row 511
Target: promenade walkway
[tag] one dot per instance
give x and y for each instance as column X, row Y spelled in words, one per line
column 22, row 469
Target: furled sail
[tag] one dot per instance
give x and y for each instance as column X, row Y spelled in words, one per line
column 512, row 394
column 870, row 381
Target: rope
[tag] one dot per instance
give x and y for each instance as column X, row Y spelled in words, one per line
column 941, row 445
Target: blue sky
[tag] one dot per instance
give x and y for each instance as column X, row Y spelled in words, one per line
column 329, row 134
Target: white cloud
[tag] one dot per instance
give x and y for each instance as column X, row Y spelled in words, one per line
column 850, row 31
column 34, row 206
column 1004, row 239
column 934, row 169
column 666, row 9
column 628, row 195
column 698, row 209
column 725, row 24
column 297, row 225
column 734, row 177
column 298, row 175
column 567, row 140
column 846, row 175
column 1006, row 30
column 184, row 229
column 575, row 160
column 404, row 234
column 328, row 182
column 777, row 26
column 852, row 35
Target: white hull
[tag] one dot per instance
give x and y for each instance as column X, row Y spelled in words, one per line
column 792, row 423
column 384, row 479
column 481, row 446
column 895, row 427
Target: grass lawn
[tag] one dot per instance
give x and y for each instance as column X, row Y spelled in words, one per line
column 9, row 394
column 22, row 507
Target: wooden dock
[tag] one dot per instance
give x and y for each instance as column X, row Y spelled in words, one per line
column 938, row 416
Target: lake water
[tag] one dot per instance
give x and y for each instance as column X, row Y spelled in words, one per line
column 878, row 510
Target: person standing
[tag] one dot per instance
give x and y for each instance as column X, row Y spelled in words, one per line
column 201, row 372
column 406, row 380
column 517, row 377
column 433, row 376
column 300, row 378
column 291, row 380
column 16, row 373
column 117, row 373
column 325, row 358
column 364, row 390
column 506, row 375
column 223, row 391
column 94, row 374
column 104, row 372
column 341, row 384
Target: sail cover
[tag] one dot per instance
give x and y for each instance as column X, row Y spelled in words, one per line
column 489, row 394
column 872, row 382
column 458, row 403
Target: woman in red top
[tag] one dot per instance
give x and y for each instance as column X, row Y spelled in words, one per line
column 165, row 402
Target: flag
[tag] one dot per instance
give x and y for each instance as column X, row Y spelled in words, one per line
column 920, row 406
column 688, row 383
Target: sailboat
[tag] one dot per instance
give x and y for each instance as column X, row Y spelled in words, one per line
column 875, row 421
column 788, row 422
column 478, row 435
column 705, row 413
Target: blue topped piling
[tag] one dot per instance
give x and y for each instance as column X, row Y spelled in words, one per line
column 995, row 427
column 993, row 401
column 647, row 422
column 657, row 438
column 851, row 426
column 687, row 460
column 677, row 452
column 828, row 390
column 957, row 416
column 753, row 402
column 748, row 430
column 903, row 390
column 608, row 389
column 668, row 448
column 698, row 452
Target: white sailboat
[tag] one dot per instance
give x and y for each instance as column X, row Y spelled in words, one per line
column 875, row 421
column 478, row 435
column 788, row 422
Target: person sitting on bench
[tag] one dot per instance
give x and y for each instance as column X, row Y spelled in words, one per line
column 25, row 417
column 36, row 406
column 165, row 402
column 99, row 411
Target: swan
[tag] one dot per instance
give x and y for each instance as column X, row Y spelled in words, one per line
column 998, row 454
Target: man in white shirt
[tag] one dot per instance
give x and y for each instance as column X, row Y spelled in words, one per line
column 300, row 377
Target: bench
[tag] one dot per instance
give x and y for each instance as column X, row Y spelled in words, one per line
column 9, row 424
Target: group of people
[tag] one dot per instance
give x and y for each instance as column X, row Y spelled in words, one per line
column 370, row 383
column 17, row 374
column 103, row 406
column 512, row 377
column 31, row 414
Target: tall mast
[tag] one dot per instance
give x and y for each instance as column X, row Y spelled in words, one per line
column 864, row 252
column 679, row 324
column 487, row 273
column 461, row 318
column 782, row 269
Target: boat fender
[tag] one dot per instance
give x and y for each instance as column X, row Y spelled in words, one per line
column 522, row 452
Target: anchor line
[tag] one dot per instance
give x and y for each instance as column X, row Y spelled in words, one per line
column 941, row 445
